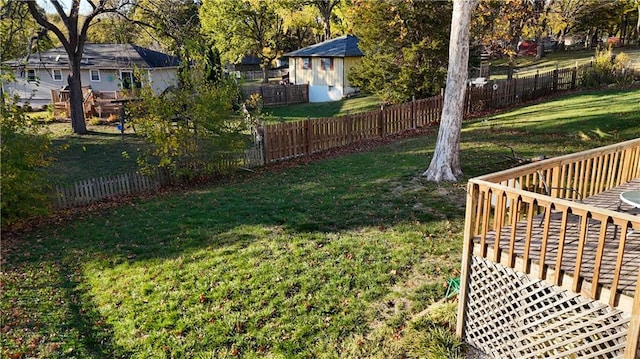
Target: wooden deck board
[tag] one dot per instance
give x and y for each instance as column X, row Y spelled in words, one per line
column 607, row 200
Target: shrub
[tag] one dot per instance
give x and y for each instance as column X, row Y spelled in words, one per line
column 112, row 118
column 608, row 68
column 192, row 131
column 25, row 153
column 94, row 121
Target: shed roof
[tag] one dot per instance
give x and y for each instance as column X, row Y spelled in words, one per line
column 343, row 46
column 105, row 56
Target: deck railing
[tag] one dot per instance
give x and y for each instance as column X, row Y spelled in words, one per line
column 505, row 210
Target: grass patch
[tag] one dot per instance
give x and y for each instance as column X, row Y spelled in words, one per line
column 529, row 65
column 326, row 260
column 360, row 103
column 100, row 153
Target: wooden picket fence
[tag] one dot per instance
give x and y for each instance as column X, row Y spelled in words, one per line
column 278, row 142
column 294, row 139
column 85, row 192
column 500, row 94
column 279, row 95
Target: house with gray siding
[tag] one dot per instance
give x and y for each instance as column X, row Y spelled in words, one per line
column 104, row 68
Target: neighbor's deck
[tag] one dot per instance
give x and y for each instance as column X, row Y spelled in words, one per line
column 609, row 199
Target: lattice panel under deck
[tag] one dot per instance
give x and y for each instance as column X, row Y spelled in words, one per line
column 510, row 315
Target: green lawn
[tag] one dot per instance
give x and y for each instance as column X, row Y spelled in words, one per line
column 104, row 153
column 529, row 65
column 360, row 103
column 331, row 259
column 101, row 153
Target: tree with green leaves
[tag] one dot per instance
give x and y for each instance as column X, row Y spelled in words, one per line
column 244, row 27
column 192, row 131
column 113, row 29
column 172, row 25
column 405, row 47
column 565, row 17
column 301, row 25
column 19, row 32
column 502, row 22
column 213, row 73
column 25, row 151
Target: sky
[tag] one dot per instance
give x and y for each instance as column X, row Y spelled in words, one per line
column 66, row 4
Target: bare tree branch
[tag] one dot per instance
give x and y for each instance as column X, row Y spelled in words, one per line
column 42, row 21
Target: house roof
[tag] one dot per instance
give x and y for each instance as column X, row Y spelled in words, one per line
column 343, row 46
column 104, row 56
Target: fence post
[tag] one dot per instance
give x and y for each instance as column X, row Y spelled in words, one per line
column 555, row 79
column 265, row 144
column 381, row 121
column 309, row 131
column 535, row 82
column 574, row 73
column 413, row 112
column 287, row 93
column 348, row 124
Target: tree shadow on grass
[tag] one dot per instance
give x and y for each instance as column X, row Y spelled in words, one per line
column 95, row 335
column 379, row 190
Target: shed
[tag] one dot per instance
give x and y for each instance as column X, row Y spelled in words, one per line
column 324, row 67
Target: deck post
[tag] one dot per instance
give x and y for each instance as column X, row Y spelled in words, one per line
column 633, row 335
column 467, row 252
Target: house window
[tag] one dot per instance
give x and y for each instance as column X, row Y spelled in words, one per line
column 326, row 63
column 306, row 63
column 129, row 80
column 31, row 75
column 95, row 75
column 57, row 75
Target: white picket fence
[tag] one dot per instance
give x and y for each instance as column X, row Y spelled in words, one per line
column 85, row 192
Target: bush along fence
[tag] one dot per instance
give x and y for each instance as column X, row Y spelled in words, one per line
column 279, row 142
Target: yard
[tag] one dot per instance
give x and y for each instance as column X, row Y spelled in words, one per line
column 359, row 103
column 329, row 259
column 528, row 65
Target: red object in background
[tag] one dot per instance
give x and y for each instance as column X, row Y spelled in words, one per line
column 529, row 48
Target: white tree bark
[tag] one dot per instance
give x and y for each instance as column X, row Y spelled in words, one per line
column 445, row 164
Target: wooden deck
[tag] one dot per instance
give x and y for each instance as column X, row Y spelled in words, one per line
column 606, row 200
column 550, row 263
column 95, row 103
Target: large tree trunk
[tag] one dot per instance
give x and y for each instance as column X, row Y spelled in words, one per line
column 445, row 164
column 75, row 98
column 540, row 48
column 326, row 16
column 327, row 29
